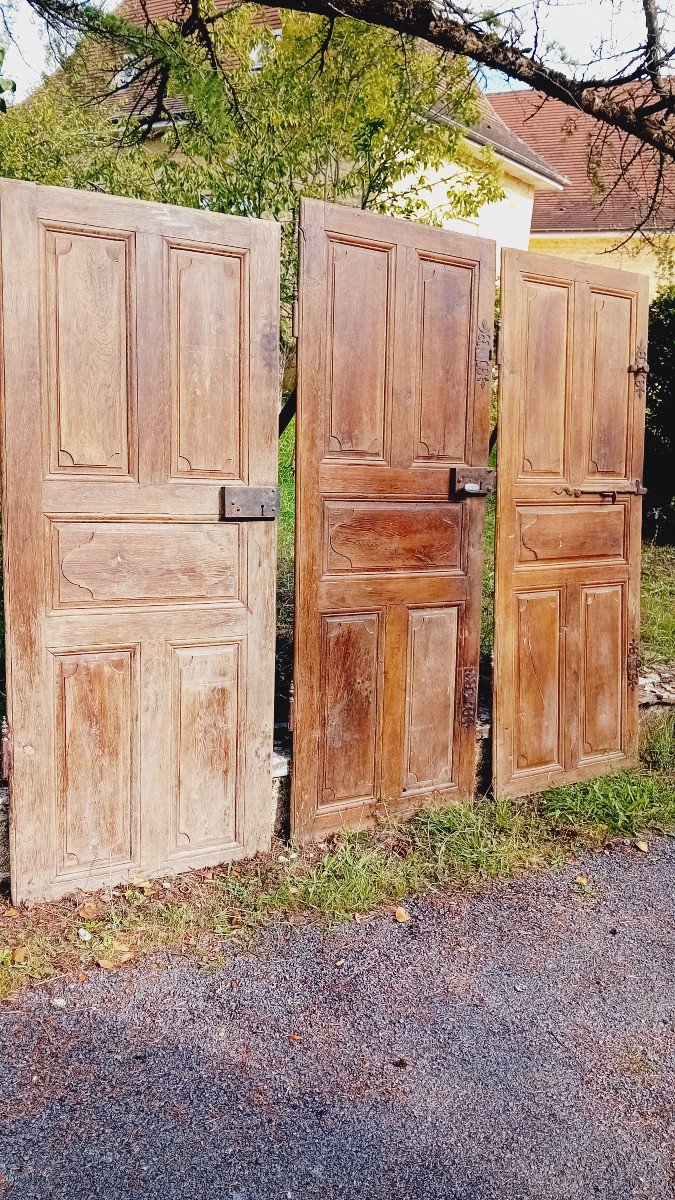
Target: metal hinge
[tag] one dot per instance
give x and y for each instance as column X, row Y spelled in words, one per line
column 483, row 354
column 241, row 503
column 633, row 663
column 469, row 695
column 291, row 708
column 635, row 489
column 640, row 369
column 472, row 481
column 5, row 749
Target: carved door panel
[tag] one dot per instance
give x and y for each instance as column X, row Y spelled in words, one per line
column 394, row 368
column 140, row 375
column 571, row 433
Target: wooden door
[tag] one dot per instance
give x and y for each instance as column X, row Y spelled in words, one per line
column 140, row 375
column 395, row 343
column 571, row 432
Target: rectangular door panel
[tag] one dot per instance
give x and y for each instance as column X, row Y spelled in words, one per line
column 537, row 701
column 431, row 698
column 397, row 319
column 140, row 361
column 350, row 707
column 568, row 525
column 602, row 680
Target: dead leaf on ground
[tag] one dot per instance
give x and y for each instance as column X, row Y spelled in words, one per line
column 401, row 914
column 295, row 1037
column 582, row 880
column 20, row 955
column 106, row 963
column 91, row 911
column 10, row 911
column 642, row 845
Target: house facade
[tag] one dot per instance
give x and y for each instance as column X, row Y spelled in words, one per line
column 606, row 195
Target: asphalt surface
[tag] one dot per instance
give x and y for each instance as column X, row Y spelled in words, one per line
column 516, row 1042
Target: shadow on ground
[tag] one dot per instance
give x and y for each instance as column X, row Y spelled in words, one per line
column 517, row 1042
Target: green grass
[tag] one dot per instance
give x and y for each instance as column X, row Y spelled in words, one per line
column 354, row 874
column 658, row 602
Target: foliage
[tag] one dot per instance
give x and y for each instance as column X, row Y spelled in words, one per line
column 660, row 431
column 6, row 85
column 336, row 110
column 658, row 602
column 55, row 138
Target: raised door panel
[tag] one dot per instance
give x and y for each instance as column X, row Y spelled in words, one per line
column 431, row 690
column 96, row 763
column 444, row 347
column 546, row 379
column 539, row 663
column 208, row 335
column 359, row 347
column 89, row 332
column 609, row 416
column 350, row 708
column 369, row 537
column 601, row 674
column 139, row 562
column 208, row 692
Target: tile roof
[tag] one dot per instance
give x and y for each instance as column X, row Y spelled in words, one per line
column 493, row 131
column 593, row 201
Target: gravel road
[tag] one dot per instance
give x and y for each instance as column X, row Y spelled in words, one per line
column 517, row 1042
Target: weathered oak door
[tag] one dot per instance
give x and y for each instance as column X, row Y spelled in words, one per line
column 571, row 432
column 140, row 375
column 394, row 352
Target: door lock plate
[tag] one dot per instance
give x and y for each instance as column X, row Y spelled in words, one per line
column 241, row 503
column 472, row 481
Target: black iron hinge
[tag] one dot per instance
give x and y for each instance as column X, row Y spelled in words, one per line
column 469, row 695
column 5, row 750
column 633, row 663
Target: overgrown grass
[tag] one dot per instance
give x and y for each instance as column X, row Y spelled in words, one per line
column 202, row 912
column 658, row 602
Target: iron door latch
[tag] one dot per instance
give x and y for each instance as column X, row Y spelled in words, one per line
column 472, row 481
column 241, row 503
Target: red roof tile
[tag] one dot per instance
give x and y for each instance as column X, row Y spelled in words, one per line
column 565, row 138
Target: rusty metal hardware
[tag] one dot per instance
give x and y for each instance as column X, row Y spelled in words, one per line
column 640, row 369
column 604, row 493
column 241, row 503
column 472, row 481
column 633, row 663
column 5, row 750
column 483, row 354
column 469, row 696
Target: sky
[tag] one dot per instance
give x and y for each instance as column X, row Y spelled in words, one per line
column 581, row 29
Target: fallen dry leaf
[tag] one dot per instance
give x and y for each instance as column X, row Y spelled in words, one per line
column 10, row 911
column 126, row 957
column 401, row 914
column 106, row 963
column 91, row 911
column 642, row 845
column 295, row 1037
column 20, row 955
column 582, row 880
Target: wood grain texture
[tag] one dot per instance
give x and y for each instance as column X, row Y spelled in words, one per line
column 392, row 390
column 571, row 424
column 139, row 351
